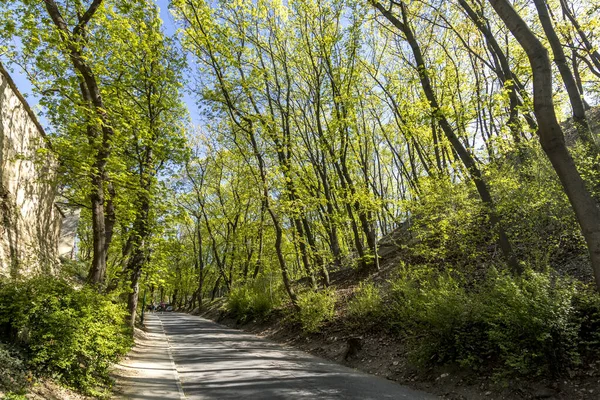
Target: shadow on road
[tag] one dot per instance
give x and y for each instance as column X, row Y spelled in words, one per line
column 216, row 362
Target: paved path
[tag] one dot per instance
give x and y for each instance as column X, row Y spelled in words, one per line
column 215, row 362
column 148, row 371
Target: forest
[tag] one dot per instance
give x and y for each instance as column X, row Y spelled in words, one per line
column 429, row 169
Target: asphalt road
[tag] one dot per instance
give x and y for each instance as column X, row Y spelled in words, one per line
column 216, row 362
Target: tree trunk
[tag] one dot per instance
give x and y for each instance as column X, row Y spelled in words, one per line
column 175, row 297
column 98, row 268
column 200, row 261
column 90, row 92
column 579, row 118
column 551, row 134
column 215, row 288
column 282, row 263
column 132, row 298
column 463, row 154
column 258, row 264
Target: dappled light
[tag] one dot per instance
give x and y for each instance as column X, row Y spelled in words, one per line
column 407, row 188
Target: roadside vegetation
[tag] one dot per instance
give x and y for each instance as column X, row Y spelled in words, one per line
column 54, row 330
column 368, row 166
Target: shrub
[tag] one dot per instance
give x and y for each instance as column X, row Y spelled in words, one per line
column 435, row 315
column 13, row 376
column 530, row 323
column 519, row 326
column 253, row 300
column 239, row 302
column 449, row 224
column 264, row 302
column 366, row 305
column 587, row 317
column 535, row 210
column 315, row 309
column 72, row 335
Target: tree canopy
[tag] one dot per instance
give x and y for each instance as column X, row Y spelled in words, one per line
column 336, row 135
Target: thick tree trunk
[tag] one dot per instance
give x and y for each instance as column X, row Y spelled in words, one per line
column 90, row 91
column 551, row 134
column 99, row 254
column 133, row 296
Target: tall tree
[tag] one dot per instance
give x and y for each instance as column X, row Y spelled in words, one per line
column 466, row 157
column 550, row 132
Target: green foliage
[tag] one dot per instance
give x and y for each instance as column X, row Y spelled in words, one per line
column 365, row 308
column 253, row 300
column 315, row 309
column 74, row 269
column 433, row 311
column 536, row 212
column 72, row 335
column 450, row 224
column 520, row 326
column 13, row 376
column 529, row 322
column 239, row 302
column 450, row 227
column 587, row 313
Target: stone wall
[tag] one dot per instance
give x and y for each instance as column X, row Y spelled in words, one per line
column 29, row 219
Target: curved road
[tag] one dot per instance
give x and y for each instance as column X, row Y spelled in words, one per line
column 209, row 361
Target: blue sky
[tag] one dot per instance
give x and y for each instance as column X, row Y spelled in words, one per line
column 170, row 29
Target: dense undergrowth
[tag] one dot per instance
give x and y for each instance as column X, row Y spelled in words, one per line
column 51, row 329
column 538, row 324
column 254, row 300
column 449, row 295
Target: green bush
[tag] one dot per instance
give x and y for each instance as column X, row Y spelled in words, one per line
column 450, row 225
column 587, row 316
column 253, row 300
column 435, row 314
column 365, row 307
column 69, row 334
column 264, row 302
column 535, row 211
column 518, row 326
column 239, row 302
column 315, row 309
column 13, row 375
column 529, row 321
